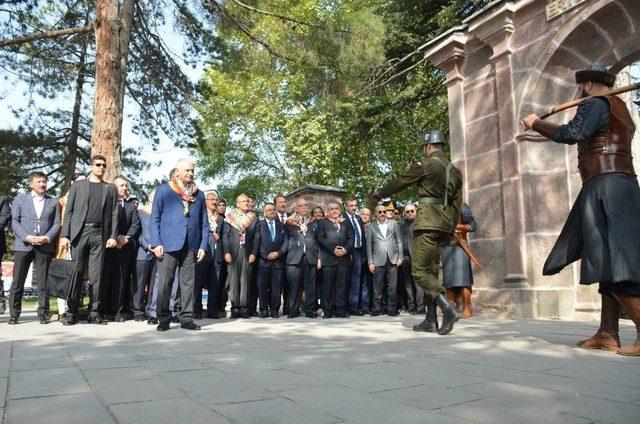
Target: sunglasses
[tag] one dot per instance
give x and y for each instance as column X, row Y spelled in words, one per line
column 100, row 165
column 411, row 211
column 380, row 212
column 396, row 213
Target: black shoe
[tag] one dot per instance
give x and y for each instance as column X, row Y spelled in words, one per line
column 13, row 321
column 392, row 313
column 96, row 320
column 69, row 320
column 235, row 314
column 430, row 323
column 342, row 315
column 197, row 315
column 44, row 319
column 163, row 326
column 358, row 313
column 120, row 318
column 275, row 315
column 311, row 315
column 366, row 312
column 212, row 315
column 152, row 321
column 264, row 314
column 375, row 313
column 175, row 319
column 190, row 326
column 449, row 315
column 293, row 316
column 138, row 318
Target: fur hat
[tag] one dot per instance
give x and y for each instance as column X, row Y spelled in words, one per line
column 596, row 72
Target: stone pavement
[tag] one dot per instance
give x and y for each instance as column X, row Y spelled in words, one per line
column 361, row 370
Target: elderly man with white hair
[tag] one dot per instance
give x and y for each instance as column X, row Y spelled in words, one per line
column 179, row 237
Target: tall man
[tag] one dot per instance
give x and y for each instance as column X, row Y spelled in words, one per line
column 281, row 208
column 120, row 262
column 439, row 186
column 336, row 240
column 35, row 219
column 384, row 254
column 90, row 225
column 5, row 219
column 415, row 295
column 602, row 227
column 355, row 289
column 179, row 235
column 270, row 247
column 237, row 244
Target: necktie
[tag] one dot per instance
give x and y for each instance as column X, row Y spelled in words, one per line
column 282, row 218
column 272, row 230
column 357, row 229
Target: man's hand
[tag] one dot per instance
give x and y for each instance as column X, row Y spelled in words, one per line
column 200, row 256
column 372, row 268
column 319, row 264
column 273, row 256
column 65, row 242
column 111, row 243
column 159, row 252
column 227, row 258
column 399, row 263
column 252, row 258
column 122, row 240
column 529, row 120
column 34, row 240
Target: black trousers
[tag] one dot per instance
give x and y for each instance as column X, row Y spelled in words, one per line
column 415, row 294
column 185, row 261
column 389, row 274
column 270, row 287
column 145, row 278
column 252, row 300
column 299, row 277
column 206, row 277
column 223, row 286
column 88, row 249
column 21, row 263
column 334, row 289
column 239, row 280
column 286, row 296
column 119, row 264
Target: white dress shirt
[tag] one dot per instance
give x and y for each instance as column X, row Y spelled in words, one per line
column 383, row 228
column 38, row 204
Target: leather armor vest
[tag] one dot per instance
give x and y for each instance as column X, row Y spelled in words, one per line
column 609, row 151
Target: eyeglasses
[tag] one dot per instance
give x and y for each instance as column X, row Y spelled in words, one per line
column 380, row 212
column 411, row 212
column 396, row 213
column 100, row 165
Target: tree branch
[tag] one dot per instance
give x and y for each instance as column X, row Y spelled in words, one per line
column 43, row 35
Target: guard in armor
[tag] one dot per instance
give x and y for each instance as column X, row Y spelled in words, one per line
column 439, row 186
column 602, row 227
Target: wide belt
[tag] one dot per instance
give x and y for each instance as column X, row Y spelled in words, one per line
column 432, row 200
column 605, row 164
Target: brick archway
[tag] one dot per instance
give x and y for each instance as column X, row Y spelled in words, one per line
column 512, row 58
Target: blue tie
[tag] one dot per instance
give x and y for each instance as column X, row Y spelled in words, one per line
column 272, row 230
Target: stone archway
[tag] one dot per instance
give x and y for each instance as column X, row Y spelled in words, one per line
column 507, row 60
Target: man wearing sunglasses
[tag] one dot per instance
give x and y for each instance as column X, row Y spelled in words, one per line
column 90, row 225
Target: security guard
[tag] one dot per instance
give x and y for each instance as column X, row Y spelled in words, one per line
column 440, row 187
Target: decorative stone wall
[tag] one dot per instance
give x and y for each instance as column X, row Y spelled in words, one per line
column 511, row 59
column 316, row 195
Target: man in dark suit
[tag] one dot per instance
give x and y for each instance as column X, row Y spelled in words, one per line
column 281, row 212
column 223, row 282
column 358, row 293
column 415, row 295
column 146, row 266
column 90, row 225
column 336, row 240
column 270, row 247
column 237, row 242
column 5, row 219
column 208, row 271
column 384, row 254
column 119, row 262
column 302, row 258
column 35, row 220
column 179, row 234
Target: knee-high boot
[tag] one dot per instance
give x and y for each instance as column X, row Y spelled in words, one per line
column 430, row 323
column 466, row 312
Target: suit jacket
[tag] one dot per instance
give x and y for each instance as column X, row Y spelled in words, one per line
column 78, row 205
column 24, row 222
column 5, row 219
column 407, row 239
column 363, row 231
column 144, row 237
column 298, row 243
column 381, row 248
column 169, row 225
column 329, row 238
column 129, row 222
column 263, row 245
column 231, row 239
column 215, row 247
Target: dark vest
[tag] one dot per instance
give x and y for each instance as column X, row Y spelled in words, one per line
column 609, row 151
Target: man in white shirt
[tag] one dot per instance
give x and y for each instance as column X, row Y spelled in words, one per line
column 35, row 220
column 358, row 294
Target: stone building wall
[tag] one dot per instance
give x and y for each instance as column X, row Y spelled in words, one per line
column 511, row 59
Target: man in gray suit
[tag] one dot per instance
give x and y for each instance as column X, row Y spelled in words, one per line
column 90, row 225
column 36, row 223
column 384, row 253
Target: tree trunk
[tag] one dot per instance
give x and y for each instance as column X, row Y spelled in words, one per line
column 107, row 106
column 126, row 22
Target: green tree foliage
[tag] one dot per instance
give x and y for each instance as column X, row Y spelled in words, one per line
column 317, row 91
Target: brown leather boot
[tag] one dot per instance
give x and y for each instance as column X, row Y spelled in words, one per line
column 466, row 312
column 452, row 297
column 632, row 306
column 606, row 338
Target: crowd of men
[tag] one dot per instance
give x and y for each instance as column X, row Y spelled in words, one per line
column 151, row 262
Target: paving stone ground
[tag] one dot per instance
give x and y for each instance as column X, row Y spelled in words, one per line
column 361, row 370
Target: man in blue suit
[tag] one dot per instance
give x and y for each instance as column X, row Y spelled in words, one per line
column 179, row 236
column 36, row 223
column 358, row 294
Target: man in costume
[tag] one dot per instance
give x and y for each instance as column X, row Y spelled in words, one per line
column 602, row 226
column 439, row 186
